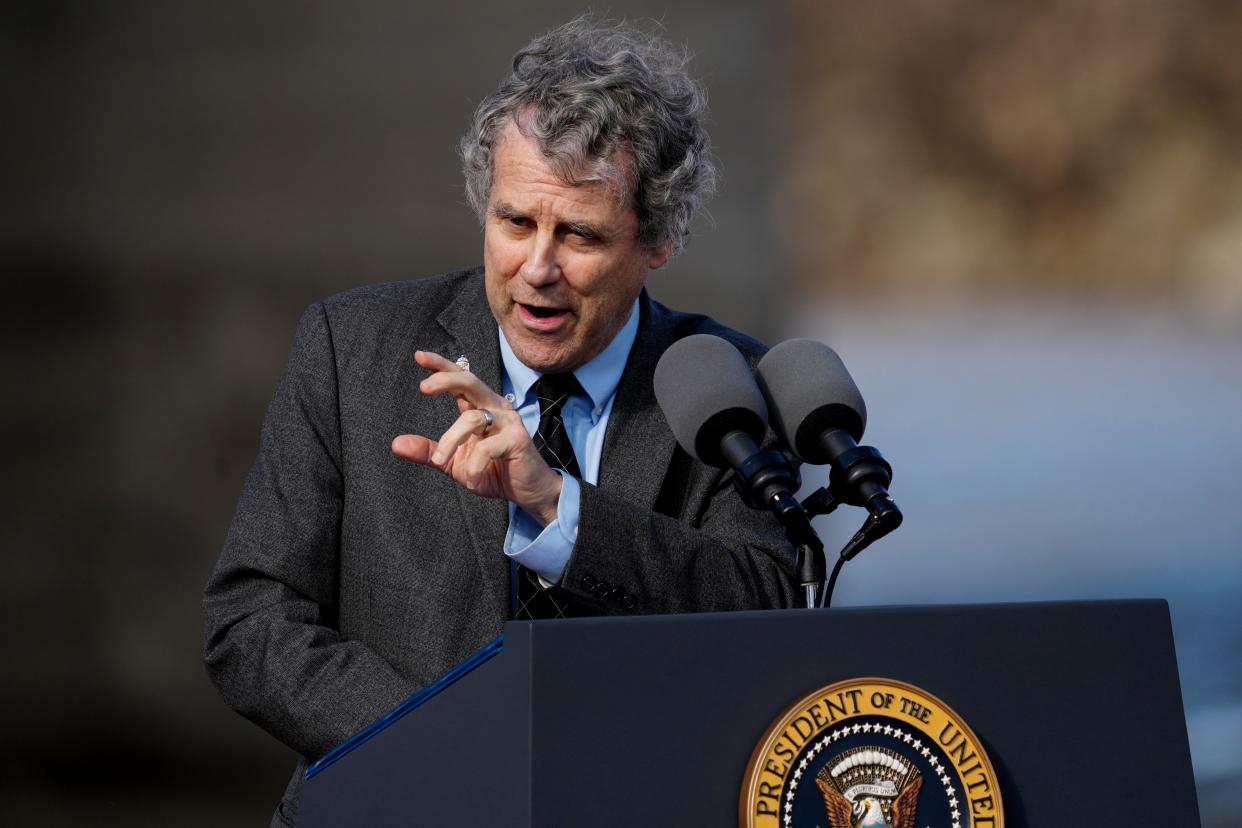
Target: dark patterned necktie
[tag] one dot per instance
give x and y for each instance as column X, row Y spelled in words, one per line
column 552, row 441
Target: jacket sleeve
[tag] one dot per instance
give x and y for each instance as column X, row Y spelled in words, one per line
column 270, row 607
column 716, row 555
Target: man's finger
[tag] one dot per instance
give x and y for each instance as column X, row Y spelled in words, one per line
column 463, row 385
column 414, row 447
column 468, row 425
column 495, row 446
column 434, row 362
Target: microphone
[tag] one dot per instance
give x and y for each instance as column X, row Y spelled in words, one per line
column 717, row 413
column 820, row 415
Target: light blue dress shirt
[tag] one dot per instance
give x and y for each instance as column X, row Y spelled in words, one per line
column 547, row 550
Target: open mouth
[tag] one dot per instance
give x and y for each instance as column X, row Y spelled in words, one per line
column 541, row 313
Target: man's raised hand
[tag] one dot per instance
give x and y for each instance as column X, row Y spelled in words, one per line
column 498, row 461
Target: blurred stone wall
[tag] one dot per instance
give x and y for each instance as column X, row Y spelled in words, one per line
column 1080, row 149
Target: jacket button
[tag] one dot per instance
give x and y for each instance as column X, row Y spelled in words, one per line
column 615, row 594
column 602, row 587
column 588, row 582
column 627, row 601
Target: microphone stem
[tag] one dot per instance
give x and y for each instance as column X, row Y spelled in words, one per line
column 768, row 481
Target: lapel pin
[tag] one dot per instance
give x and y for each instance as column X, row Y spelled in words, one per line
column 463, row 363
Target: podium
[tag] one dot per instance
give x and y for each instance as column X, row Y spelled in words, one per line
column 651, row 720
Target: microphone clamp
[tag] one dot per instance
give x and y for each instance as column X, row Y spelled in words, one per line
column 763, row 476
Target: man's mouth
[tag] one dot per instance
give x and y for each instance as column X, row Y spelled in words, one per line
column 542, row 316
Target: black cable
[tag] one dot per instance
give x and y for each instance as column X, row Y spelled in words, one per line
column 826, row 600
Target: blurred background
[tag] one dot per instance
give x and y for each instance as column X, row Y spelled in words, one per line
column 1020, row 225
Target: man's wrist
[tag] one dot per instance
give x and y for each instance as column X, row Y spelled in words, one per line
column 544, row 511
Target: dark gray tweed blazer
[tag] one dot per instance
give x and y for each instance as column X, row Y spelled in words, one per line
column 351, row 578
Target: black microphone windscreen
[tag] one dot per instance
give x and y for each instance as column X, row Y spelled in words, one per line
column 810, row 392
column 706, row 389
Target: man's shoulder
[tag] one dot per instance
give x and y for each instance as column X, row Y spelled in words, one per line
column 420, row 297
column 679, row 325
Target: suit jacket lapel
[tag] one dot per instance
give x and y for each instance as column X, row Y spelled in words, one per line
column 469, row 321
column 639, row 444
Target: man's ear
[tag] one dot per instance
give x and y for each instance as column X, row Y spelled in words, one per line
column 660, row 256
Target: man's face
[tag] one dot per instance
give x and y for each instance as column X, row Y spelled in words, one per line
column 563, row 263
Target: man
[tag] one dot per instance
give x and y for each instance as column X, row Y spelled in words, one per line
column 400, row 511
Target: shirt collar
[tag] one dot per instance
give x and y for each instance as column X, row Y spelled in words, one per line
column 599, row 377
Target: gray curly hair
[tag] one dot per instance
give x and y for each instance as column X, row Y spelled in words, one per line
column 585, row 91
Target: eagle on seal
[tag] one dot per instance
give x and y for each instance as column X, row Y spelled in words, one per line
column 867, row 811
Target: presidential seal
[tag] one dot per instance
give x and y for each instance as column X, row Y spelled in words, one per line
column 870, row 753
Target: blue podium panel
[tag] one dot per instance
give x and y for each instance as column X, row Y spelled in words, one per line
column 456, row 753
column 651, row 720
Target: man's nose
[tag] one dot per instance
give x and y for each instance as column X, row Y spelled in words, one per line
column 540, row 267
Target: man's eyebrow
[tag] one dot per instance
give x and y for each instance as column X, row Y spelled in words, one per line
column 586, row 230
column 505, row 210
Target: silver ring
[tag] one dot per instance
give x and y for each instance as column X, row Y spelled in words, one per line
column 488, row 419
